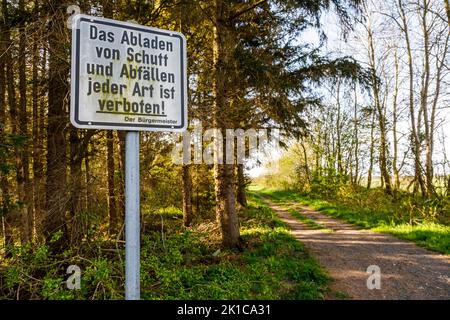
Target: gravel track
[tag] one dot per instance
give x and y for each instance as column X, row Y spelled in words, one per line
column 407, row 271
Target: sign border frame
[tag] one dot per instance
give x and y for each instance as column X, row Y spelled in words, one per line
column 75, row 72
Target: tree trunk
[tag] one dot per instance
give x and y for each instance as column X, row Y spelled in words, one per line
column 38, row 161
column 26, row 190
column 241, row 185
column 89, row 190
column 121, row 162
column 186, row 182
column 223, row 173
column 112, row 209
column 338, row 133
column 4, row 183
column 356, row 138
column 379, row 106
column 35, row 122
column 56, row 196
column 186, row 178
column 425, row 83
column 12, row 102
column 394, row 125
column 437, row 91
column 76, row 160
column 371, row 150
column 418, row 179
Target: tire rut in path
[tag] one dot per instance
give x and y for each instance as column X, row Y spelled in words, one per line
column 407, row 271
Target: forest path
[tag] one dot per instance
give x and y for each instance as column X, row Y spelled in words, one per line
column 407, row 271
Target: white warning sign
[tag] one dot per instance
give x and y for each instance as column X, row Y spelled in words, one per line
column 127, row 76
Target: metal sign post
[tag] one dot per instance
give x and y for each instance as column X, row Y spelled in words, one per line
column 133, row 78
column 132, row 216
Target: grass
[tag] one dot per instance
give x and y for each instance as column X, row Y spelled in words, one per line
column 177, row 264
column 431, row 235
column 273, row 264
column 308, row 221
column 288, row 206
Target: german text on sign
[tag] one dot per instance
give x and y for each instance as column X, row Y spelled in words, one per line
column 127, row 76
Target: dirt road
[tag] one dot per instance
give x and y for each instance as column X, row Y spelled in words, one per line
column 407, row 271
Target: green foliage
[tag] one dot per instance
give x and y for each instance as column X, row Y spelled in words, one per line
column 274, row 265
column 35, row 273
column 176, row 264
column 8, row 144
column 429, row 235
column 326, row 185
column 157, row 186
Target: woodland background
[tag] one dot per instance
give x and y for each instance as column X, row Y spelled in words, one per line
column 364, row 122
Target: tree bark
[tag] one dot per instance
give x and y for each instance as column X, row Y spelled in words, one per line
column 425, row 83
column 356, row 139
column 440, row 66
column 379, row 106
column 241, row 185
column 186, row 178
column 223, row 173
column 112, row 209
column 15, row 214
column 39, row 158
column 371, row 150
column 394, row 125
column 76, row 161
column 56, row 188
column 26, row 190
column 121, row 165
column 35, row 115
column 418, row 179
column 6, row 217
column 87, row 173
column 338, row 132
column 187, row 195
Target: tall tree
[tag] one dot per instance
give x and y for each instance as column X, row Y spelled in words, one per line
column 112, row 208
column 57, row 121
column 394, row 122
column 13, row 113
column 25, row 191
column 6, row 217
column 224, row 173
column 379, row 106
column 36, row 129
column 185, row 12
column 356, row 143
column 415, row 141
column 424, row 93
